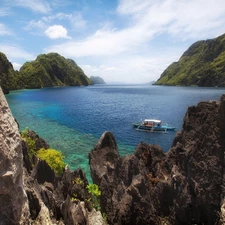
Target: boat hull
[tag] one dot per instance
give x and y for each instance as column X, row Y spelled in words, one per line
column 154, row 128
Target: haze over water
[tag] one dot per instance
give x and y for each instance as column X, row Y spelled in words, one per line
column 72, row 119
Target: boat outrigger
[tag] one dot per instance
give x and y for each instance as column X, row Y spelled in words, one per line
column 153, row 125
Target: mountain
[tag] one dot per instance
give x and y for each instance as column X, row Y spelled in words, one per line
column 9, row 79
column 203, row 64
column 52, row 69
column 47, row 70
column 97, row 80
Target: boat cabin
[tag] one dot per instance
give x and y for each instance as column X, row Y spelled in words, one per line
column 152, row 122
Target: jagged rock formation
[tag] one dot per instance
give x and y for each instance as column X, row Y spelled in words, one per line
column 182, row 186
column 201, row 65
column 30, row 191
column 14, row 204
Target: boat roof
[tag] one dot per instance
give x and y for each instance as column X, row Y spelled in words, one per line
column 153, row 120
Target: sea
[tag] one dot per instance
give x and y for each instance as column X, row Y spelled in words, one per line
column 72, row 119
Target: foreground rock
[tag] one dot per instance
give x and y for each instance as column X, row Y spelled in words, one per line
column 182, row 186
column 13, row 199
column 30, row 191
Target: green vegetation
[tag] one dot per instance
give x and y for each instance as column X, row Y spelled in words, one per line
column 201, row 65
column 74, row 197
column 30, row 143
column 50, row 70
column 53, row 158
column 9, row 79
column 93, row 189
column 77, row 180
column 97, row 80
column 47, row 70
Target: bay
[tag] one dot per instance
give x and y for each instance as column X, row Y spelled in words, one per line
column 72, row 119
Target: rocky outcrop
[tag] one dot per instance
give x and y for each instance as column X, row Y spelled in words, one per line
column 57, row 199
column 183, row 186
column 13, row 198
column 30, row 191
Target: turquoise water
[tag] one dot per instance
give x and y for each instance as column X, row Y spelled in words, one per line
column 72, row 119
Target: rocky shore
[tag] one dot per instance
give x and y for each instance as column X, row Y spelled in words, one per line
column 186, row 185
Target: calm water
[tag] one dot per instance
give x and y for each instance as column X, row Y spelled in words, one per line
column 72, row 119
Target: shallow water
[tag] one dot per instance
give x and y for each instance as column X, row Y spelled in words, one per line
column 72, row 119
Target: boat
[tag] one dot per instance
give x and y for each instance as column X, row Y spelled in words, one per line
column 153, row 125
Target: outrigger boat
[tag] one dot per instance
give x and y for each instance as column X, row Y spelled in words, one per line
column 153, row 125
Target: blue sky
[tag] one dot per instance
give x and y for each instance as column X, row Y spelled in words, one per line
column 131, row 41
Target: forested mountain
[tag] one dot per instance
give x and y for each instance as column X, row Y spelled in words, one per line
column 203, row 64
column 8, row 77
column 47, row 70
column 52, row 69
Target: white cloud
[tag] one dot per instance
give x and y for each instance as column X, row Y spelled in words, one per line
column 35, row 25
column 76, row 19
column 44, row 25
column 56, row 31
column 132, row 68
column 4, row 11
column 16, row 66
column 14, row 52
column 4, row 30
column 40, row 6
column 104, row 43
column 184, row 20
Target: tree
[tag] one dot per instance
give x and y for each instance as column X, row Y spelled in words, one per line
column 53, row 158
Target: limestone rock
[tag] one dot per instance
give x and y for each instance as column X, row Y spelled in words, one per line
column 13, row 207
column 125, row 191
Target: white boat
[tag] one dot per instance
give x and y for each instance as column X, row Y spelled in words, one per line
column 153, row 125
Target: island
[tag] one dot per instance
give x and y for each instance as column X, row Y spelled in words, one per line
column 97, row 80
column 47, row 70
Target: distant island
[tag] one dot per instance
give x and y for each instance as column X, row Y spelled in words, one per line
column 97, row 80
column 151, row 82
column 47, row 70
column 201, row 65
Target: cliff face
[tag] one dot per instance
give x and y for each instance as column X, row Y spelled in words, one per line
column 182, row 186
column 14, row 204
column 202, row 65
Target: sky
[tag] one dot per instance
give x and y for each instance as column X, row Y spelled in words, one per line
column 122, row 41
